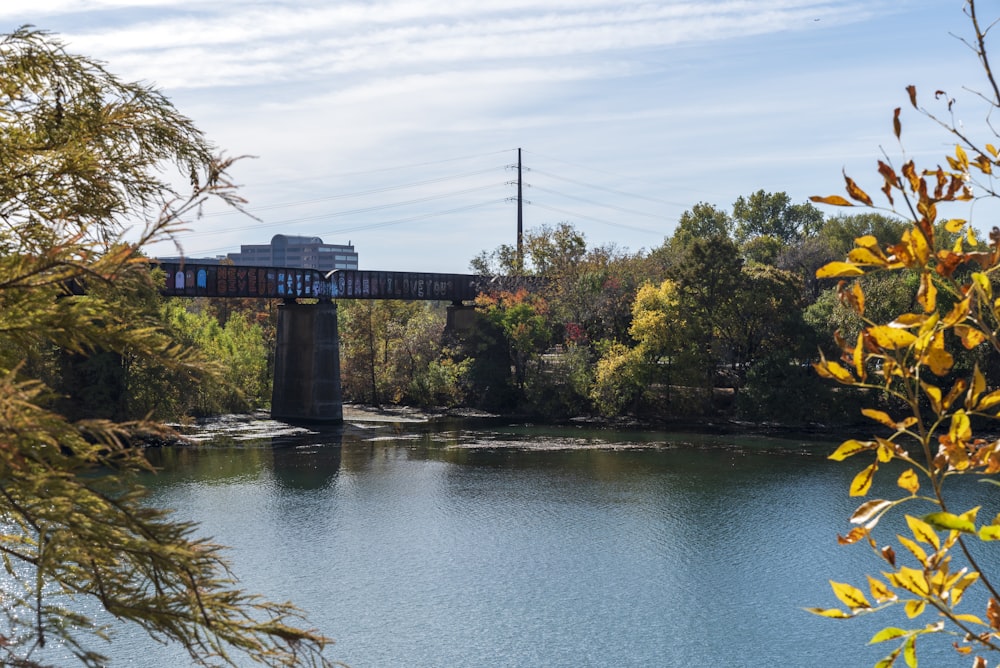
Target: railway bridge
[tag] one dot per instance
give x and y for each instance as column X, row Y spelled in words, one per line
column 306, row 386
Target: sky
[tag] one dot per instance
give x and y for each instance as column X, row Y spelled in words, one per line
column 394, row 125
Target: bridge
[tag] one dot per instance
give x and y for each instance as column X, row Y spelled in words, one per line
column 306, row 384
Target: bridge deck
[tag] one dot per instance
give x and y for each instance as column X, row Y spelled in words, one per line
column 220, row 280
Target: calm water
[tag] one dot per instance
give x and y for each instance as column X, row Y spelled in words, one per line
column 440, row 546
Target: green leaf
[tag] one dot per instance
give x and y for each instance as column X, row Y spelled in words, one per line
column 910, row 651
column 950, row 522
column 989, row 532
column 888, row 633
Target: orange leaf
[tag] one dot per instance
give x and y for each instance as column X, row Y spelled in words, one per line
column 855, row 192
column 834, row 200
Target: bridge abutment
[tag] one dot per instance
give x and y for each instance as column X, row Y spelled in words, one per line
column 307, row 365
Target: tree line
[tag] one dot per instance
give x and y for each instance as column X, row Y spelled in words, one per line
column 723, row 319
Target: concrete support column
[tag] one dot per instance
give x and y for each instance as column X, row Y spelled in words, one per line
column 460, row 319
column 307, row 365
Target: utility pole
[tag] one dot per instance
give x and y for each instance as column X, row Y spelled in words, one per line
column 520, row 219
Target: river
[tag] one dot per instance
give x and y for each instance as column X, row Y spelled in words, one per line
column 450, row 544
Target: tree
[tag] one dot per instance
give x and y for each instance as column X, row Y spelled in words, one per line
column 82, row 158
column 766, row 214
column 658, row 328
column 702, row 221
column 522, row 317
column 912, row 358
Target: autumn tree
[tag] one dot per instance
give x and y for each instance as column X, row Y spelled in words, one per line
column 938, row 569
column 83, row 188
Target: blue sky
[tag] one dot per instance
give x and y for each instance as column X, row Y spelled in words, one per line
column 392, row 124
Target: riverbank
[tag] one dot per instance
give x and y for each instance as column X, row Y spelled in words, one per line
column 367, row 422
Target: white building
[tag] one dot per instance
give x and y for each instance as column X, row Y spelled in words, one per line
column 294, row 251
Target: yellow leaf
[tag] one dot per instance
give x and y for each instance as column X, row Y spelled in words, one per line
column 850, row 596
column 959, row 589
column 962, row 157
column 849, row 448
column 989, row 532
column 880, row 592
column 908, row 480
column 914, row 608
column 934, row 394
column 927, row 294
column 937, row 358
column 859, row 355
column 879, row 416
column 833, row 613
column 982, row 282
column 971, row 619
column 910, row 651
column 890, row 633
column 891, row 338
column 909, row 320
column 957, row 313
column 923, row 532
column 971, row 337
column 916, row 550
column 976, row 389
column 859, row 297
column 865, row 256
column 886, row 450
column 833, row 200
column 827, row 369
column 863, row 481
column 954, row 225
column 839, row 270
column 989, row 401
column 868, row 241
column 909, row 579
column 961, row 427
column 918, row 245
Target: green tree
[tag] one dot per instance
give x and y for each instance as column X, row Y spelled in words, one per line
column 911, row 357
column 82, row 160
column 764, row 214
column 702, row 221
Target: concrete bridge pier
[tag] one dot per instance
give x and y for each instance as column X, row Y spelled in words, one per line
column 307, row 365
column 460, row 318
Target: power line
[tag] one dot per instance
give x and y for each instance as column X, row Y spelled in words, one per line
column 601, row 204
column 371, row 226
column 362, row 193
column 606, row 189
column 337, row 214
column 596, row 220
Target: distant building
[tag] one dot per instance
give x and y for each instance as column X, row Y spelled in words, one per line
column 292, row 251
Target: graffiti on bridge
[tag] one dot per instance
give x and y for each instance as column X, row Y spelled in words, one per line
column 209, row 280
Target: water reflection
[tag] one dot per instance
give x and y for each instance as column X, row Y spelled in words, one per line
column 306, row 462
